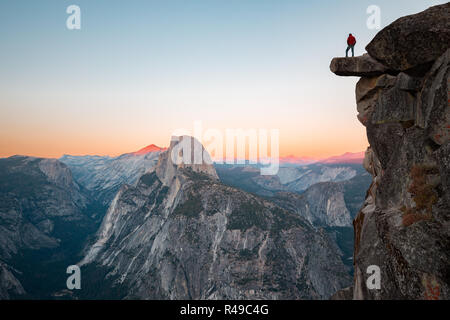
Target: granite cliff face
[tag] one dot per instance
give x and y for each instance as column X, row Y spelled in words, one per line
column 404, row 225
column 182, row 234
column 329, row 205
column 322, row 204
column 42, row 216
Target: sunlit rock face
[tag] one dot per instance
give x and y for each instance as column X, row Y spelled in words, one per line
column 181, row 234
column 404, row 226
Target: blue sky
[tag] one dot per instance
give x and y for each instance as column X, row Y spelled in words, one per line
column 137, row 70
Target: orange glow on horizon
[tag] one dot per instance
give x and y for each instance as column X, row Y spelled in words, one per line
column 54, row 149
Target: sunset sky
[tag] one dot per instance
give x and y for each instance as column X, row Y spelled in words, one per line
column 138, row 70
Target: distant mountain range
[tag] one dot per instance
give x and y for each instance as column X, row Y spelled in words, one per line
column 289, row 178
column 80, row 208
column 348, row 157
column 148, row 149
column 104, row 175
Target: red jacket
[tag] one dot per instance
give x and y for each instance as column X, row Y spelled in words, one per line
column 351, row 41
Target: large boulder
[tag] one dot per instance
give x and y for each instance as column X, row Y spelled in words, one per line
column 362, row 66
column 413, row 42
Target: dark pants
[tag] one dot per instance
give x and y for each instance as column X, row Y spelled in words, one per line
column 353, row 50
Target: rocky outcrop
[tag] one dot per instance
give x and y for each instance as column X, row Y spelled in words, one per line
column 42, row 211
column 412, row 43
column 362, row 66
column 181, row 234
column 404, row 225
column 34, row 192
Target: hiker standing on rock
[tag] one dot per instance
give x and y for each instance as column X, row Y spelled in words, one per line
column 351, row 41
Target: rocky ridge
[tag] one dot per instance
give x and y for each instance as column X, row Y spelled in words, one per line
column 181, row 234
column 404, row 225
column 39, row 202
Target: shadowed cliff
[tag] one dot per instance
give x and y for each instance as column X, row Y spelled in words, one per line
column 402, row 100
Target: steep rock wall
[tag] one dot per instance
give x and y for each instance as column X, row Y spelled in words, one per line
column 403, row 226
